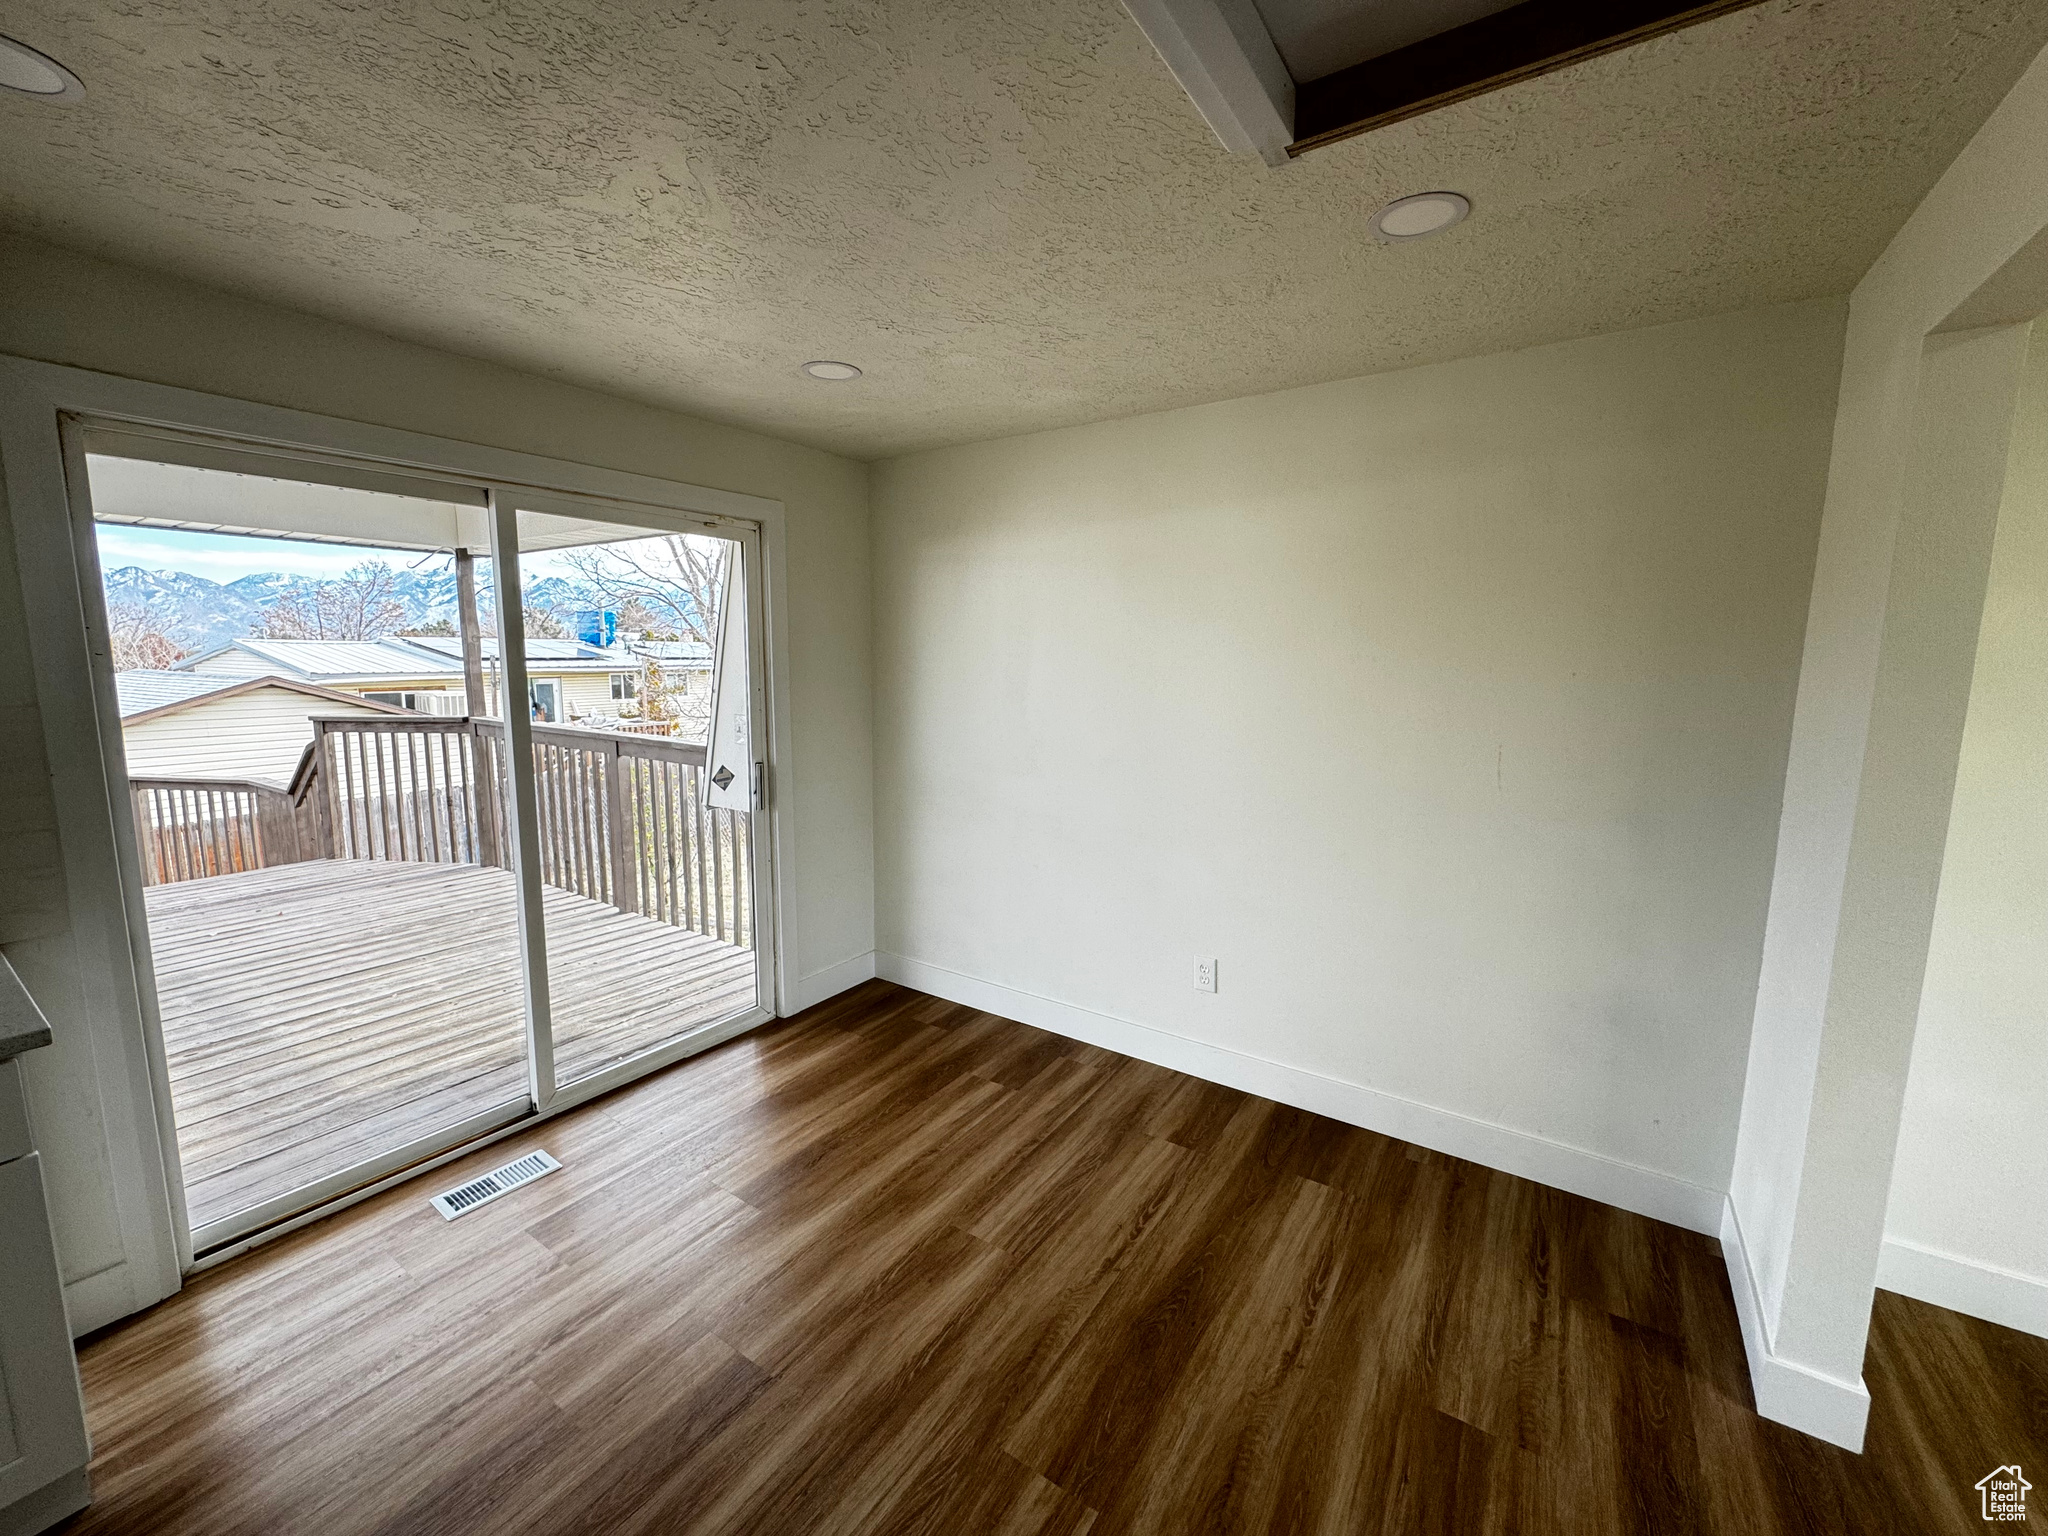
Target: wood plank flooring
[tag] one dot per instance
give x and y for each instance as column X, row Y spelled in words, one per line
column 321, row 1013
column 901, row 1267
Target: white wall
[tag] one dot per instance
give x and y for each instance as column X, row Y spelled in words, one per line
column 259, row 734
column 1967, row 1222
column 1447, row 708
column 66, row 308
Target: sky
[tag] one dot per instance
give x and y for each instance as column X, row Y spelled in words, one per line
column 224, row 557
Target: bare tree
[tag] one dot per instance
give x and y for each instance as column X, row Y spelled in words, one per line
column 536, row 623
column 635, row 618
column 138, row 644
column 360, row 604
column 293, row 616
column 666, row 695
column 674, row 580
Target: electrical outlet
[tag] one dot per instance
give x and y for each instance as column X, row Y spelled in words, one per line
column 1205, row 975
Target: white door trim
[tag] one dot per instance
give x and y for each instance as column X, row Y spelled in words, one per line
column 546, row 1091
column 522, row 806
column 82, row 738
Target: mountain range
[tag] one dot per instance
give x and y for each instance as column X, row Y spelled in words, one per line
column 198, row 614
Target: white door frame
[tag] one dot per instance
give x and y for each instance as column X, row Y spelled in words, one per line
column 547, row 1093
column 72, row 667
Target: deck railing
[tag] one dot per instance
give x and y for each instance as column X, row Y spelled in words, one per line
column 621, row 816
column 187, row 829
column 643, row 727
column 416, row 789
column 622, row 819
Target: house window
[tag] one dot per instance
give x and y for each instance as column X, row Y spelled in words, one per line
column 402, row 700
column 544, row 699
column 625, row 686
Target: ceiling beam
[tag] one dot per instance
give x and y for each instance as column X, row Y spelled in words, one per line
column 1225, row 60
column 1503, row 49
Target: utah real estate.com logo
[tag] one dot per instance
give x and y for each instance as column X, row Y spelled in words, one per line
column 2005, row 1494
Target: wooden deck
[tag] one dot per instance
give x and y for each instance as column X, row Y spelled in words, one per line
column 317, row 1014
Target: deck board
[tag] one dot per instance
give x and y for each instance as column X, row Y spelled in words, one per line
column 318, row 1014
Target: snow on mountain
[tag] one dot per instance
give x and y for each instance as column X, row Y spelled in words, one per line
column 192, row 611
column 199, row 614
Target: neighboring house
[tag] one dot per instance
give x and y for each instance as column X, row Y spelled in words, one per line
column 690, row 657
column 568, row 679
column 182, row 725
column 685, row 671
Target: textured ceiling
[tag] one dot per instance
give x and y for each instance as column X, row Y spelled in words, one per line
column 1007, row 212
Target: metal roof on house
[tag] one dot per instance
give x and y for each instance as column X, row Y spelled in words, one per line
column 140, row 691
column 673, row 651
column 537, row 650
column 409, row 656
column 144, row 695
column 320, row 659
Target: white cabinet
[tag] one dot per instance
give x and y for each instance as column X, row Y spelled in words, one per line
column 43, row 1445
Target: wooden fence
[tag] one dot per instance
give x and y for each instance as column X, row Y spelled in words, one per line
column 187, row 829
column 622, row 819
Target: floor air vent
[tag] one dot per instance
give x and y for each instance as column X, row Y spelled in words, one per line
column 464, row 1198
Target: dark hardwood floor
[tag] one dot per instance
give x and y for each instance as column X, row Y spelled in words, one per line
column 898, row 1266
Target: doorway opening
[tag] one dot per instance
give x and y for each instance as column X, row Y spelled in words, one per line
column 385, row 914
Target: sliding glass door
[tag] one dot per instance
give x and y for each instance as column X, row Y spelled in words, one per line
column 645, row 857
column 442, row 797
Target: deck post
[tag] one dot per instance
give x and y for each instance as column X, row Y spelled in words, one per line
column 476, row 700
column 625, row 885
column 483, row 783
column 323, row 788
column 477, row 703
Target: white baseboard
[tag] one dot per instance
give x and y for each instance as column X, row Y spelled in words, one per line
column 1814, row 1402
column 1809, row 1400
column 833, row 980
column 1997, row 1295
column 1645, row 1191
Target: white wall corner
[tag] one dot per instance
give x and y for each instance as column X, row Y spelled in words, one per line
column 1987, row 1291
column 1644, row 1191
column 831, row 981
column 1811, row 1401
column 1223, row 57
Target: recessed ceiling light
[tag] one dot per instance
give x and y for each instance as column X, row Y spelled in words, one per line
column 1426, row 213
column 30, row 73
column 838, row 373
